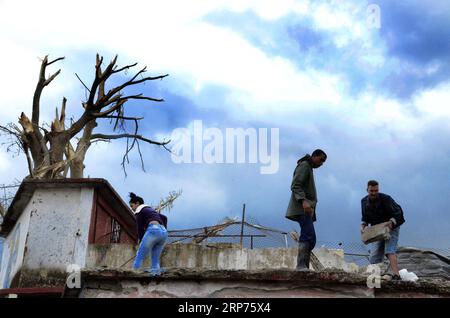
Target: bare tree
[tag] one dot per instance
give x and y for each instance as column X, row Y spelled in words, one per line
column 51, row 153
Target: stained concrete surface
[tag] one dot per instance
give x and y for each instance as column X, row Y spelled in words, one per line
column 246, row 283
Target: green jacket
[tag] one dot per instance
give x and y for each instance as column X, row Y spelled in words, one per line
column 303, row 188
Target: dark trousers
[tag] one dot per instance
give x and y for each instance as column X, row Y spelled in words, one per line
column 307, row 232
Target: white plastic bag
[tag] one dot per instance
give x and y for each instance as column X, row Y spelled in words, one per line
column 408, row 276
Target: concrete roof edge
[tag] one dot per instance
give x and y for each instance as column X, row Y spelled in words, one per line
column 324, row 277
column 28, row 186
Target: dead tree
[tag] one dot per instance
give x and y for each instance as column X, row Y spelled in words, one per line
column 53, row 153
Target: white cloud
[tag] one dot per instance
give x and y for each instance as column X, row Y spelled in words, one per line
column 13, row 168
column 5, row 164
column 329, row 17
column 344, row 18
column 17, row 81
column 268, row 9
column 167, row 40
column 433, row 103
column 196, row 54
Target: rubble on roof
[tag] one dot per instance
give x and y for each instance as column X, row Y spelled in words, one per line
column 424, row 263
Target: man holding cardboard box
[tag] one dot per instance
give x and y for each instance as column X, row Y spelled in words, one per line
column 385, row 217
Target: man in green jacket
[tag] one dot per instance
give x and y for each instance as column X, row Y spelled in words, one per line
column 303, row 202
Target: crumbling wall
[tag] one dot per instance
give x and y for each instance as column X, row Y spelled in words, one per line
column 14, row 248
column 211, row 256
column 268, row 283
column 220, row 256
column 334, row 258
column 59, row 226
column 111, row 256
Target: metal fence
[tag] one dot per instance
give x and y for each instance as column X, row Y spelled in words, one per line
column 354, row 252
column 261, row 237
column 7, row 193
column 252, row 237
column 257, row 236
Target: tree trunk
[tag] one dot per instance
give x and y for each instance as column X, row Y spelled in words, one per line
column 77, row 169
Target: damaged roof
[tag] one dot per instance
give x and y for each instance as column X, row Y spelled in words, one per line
column 235, row 283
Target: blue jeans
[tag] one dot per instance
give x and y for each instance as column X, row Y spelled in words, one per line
column 307, row 231
column 153, row 242
column 380, row 248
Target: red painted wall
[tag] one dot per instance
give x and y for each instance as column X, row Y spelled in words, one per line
column 103, row 214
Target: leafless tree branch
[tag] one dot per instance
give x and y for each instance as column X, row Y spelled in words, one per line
column 82, row 82
column 123, row 68
column 139, row 137
column 123, row 117
column 55, row 60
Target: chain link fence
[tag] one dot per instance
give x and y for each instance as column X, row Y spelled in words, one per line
column 7, row 193
column 354, row 252
column 252, row 235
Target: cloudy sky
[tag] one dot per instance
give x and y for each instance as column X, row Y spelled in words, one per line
column 375, row 99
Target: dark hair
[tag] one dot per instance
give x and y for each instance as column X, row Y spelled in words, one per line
column 372, row 183
column 319, row 152
column 135, row 199
column 307, row 157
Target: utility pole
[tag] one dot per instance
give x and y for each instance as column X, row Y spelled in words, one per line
column 242, row 224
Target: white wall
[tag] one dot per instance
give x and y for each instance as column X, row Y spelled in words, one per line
column 59, row 228
column 1, row 251
column 13, row 250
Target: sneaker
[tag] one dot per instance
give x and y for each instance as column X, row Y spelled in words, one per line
column 392, row 276
column 154, row 272
column 302, row 269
